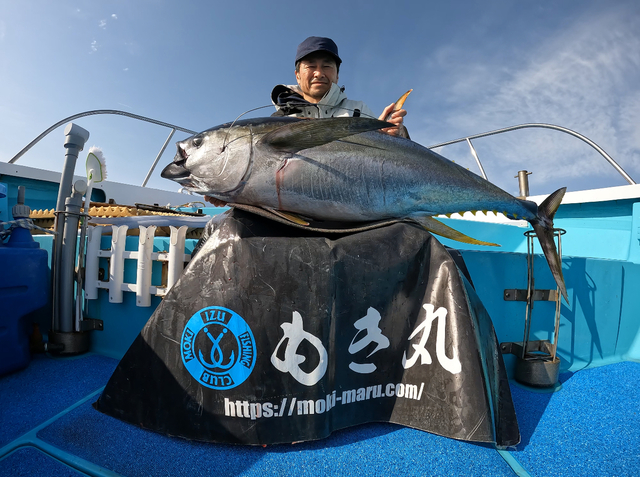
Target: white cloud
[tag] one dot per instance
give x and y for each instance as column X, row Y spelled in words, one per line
column 103, row 24
column 114, row 16
column 94, row 46
column 585, row 78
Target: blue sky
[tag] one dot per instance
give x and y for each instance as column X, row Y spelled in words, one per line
column 473, row 66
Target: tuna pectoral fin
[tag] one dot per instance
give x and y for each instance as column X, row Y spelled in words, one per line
column 289, row 216
column 273, row 214
column 307, row 134
column 543, row 227
column 438, row 228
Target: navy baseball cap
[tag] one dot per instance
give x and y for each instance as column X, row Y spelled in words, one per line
column 317, row 43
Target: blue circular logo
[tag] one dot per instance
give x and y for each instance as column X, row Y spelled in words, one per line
column 218, row 348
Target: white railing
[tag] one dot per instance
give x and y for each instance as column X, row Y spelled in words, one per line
column 118, row 113
column 601, row 151
column 175, row 259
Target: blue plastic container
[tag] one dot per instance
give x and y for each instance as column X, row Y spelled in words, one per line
column 24, row 287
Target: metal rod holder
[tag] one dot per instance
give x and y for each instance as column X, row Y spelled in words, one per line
column 74, row 141
column 537, row 363
column 523, row 183
column 530, row 234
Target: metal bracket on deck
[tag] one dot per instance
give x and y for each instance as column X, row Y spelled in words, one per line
column 515, row 294
column 536, row 362
column 90, row 324
column 534, row 348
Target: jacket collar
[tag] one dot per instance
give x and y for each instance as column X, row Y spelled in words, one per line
column 333, row 96
column 281, row 91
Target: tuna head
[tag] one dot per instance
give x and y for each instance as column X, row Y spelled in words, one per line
column 218, row 159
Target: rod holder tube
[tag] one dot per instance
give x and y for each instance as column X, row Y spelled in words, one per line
column 65, row 289
column 116, row 263
column 92, row 263
column 74, row 141
column 145, row 265
column 523, row 183
column 177, row 257
column 75, row 138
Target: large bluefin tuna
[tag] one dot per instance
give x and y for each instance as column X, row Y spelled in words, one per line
column 343, row 169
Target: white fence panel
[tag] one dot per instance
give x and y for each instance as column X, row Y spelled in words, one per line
column 145, row 256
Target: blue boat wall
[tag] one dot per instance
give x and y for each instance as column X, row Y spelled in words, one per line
column 601, row 260
column 601, row 255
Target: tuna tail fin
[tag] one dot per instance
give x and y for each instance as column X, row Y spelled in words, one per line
column 435, row 226
column 543, row 226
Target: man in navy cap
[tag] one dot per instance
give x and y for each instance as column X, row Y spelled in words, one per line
column 317, row 94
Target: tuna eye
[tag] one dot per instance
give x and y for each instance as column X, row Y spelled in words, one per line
column 197, row 141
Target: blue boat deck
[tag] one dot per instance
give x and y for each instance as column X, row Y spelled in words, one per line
column 49, row 427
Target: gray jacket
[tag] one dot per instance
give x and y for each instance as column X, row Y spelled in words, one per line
column 288, row 101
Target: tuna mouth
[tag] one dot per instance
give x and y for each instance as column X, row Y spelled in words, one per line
column 176, row 172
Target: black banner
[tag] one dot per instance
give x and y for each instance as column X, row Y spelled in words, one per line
column 275, row 335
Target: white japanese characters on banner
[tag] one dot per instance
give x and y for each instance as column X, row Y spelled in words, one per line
column 367, row 332
column 450, row 364
column 294, row 334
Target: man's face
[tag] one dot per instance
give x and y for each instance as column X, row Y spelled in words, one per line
column 316, row 74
